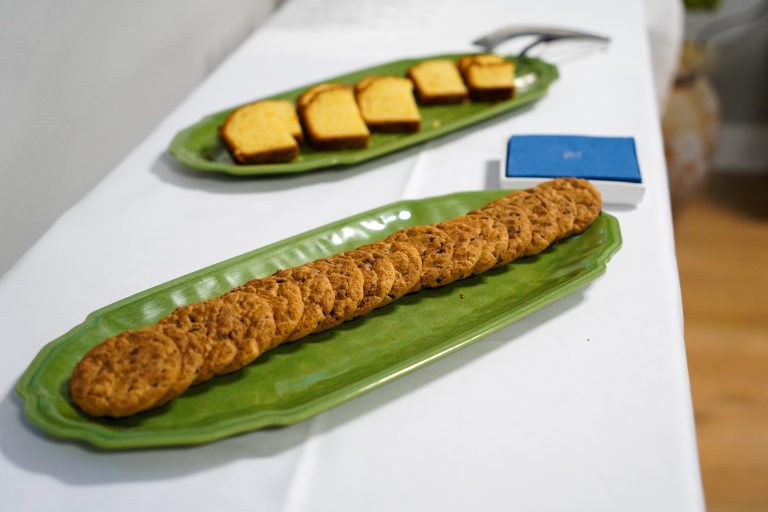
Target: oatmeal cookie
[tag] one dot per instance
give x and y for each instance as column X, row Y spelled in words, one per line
column 468, row 246
column 378, row 278
column 587, row 198
column 407, row 264
column 519, row 230
column 347, row 281
column 125, row 374
column 435, row 249
column 284, row 296
column 251, row 325
column 565, row 210
column 187, row 326
column 494, row 237
column 540, row 212
column 316, row 293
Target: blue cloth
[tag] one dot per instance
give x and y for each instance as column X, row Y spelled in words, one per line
column 553, row 156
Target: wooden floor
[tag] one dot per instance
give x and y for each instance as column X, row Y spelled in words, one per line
column 722, row 248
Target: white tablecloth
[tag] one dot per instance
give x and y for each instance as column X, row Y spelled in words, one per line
column 583, row 405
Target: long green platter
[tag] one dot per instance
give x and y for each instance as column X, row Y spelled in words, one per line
column 199, row 146
column 299, row 380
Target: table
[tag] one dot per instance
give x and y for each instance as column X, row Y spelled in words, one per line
column 583, row 405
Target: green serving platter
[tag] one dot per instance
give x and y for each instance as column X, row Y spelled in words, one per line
column 298, row 380
column 200, row 147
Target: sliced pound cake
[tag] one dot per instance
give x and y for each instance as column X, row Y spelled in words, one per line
column 387, row 104
column 331, row 117
column 489, row 77
column 263, row 132
column 437, row 82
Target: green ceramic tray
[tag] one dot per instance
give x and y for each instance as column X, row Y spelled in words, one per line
column 302, row 379
column 199, row 146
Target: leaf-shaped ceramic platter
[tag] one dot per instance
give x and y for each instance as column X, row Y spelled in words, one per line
column 299, row 380
column 200, row 147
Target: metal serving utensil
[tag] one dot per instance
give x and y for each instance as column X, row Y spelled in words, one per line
column 543, row 35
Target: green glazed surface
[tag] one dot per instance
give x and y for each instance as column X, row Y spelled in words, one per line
column 200, row 147
column 299, row 380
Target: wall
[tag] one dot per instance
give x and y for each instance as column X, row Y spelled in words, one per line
column 83, row 82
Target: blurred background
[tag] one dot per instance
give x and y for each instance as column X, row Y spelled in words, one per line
column 715, row 128
column 83, row 82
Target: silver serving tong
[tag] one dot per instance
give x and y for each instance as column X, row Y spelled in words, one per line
column 543, row 35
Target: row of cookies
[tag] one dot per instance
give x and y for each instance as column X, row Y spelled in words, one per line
column 337, row 116
column 138, row 370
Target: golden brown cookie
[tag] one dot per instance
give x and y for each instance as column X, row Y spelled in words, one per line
column 378, row 278
column 468, row 245
column 347, row 281
column 222, row 337
column 519, row 230
column 317, row 294
column 540, row 212
column 187, row 326
column 407, row 264
column 588, row 200
column 253, row 327
column 284, row 296
column 435, row 249
column 125, row 374
column 494, row 239
column 565, row 210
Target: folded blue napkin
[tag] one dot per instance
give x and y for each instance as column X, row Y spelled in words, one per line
column 593, row 158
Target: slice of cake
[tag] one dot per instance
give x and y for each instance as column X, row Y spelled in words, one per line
column 482, row 58
column 307, row 96
column 489, row 77
column 286, row 111
column 262, row 132
column 437, row 82
column 332, row 119
column 387, row 104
